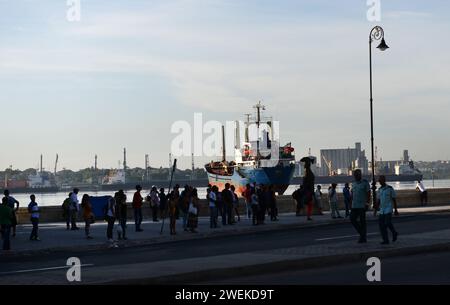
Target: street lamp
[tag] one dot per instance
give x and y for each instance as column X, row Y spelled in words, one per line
column 377, row 33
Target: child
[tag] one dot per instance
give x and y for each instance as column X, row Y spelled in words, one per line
column 332, row 197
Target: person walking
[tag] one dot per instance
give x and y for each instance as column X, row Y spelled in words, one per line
column 423, row 193
column 74, row 209
column 137, row 208
column 121, row 213
column 347, row 199
column 193, row 211
column 33, row 209
column 318, row 199
column 308, row 186
column 235, row 210
column 110, row 217
column 6, row 220
column 14, row 205
column 66, row 210
column 332, row 198
column 154, row 203
column 212, row 203
column 88, row 215
column 386, row 204
column 360, row 198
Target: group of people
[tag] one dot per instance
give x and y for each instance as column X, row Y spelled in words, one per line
column 8, row 218
column 356, row 199
column 260, row 200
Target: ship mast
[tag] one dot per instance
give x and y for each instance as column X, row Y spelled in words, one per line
column 258, row 107
column 224, row 158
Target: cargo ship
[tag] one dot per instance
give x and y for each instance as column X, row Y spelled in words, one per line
column 259, row 159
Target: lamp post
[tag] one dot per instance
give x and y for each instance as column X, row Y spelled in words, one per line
column 377, row 33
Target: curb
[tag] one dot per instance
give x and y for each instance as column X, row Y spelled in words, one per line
column 204, row 276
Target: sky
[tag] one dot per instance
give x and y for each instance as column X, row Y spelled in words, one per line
column 127, row 70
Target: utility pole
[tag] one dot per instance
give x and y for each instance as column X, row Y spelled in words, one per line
column 41, row 168
column 170, row 165
column 193, row 168
column 147, row 177
column 125, row 164
column 95, row 170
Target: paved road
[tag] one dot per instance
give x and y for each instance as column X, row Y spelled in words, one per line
column 216, row 246
column 422, row 269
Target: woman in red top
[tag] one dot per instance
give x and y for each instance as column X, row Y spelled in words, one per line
column 137, row 207
column 88, row 215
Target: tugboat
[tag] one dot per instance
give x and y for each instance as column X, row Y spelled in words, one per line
column 258, row 161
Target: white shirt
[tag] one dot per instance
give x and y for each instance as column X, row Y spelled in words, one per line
column 34, row 211
column 421, row 187
column 332, row 195
column 74, row 202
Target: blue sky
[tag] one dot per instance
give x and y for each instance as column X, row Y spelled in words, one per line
column 122, row 75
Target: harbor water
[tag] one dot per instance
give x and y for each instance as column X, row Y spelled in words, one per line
column 56, row 199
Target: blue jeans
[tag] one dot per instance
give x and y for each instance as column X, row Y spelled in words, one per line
column 385, row 223
column 347, row 207
column 213, row 217
column 34, row 232
column 358, row 219
column 6, row 234
column 184, row 215
column 137, row 217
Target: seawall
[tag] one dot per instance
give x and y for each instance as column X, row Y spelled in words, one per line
column 405, row 198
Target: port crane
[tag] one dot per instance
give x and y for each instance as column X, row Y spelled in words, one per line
column 328, row 163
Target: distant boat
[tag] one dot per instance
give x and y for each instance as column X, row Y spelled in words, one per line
column 253, row 161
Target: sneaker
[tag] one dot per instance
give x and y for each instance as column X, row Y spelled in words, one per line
column 37, row 239
column 89, row 237
column 394, row 236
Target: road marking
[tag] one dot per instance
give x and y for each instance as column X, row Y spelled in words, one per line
column 342, row 237
column 42, row 269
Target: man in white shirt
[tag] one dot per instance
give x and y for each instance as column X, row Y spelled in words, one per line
column 74, row 208
column 423, row 193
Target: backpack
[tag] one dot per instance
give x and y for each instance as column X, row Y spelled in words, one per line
column 66, row 204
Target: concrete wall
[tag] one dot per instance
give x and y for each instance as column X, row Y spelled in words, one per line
column 405, row 198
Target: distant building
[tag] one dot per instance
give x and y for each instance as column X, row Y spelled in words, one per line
column 344, row 160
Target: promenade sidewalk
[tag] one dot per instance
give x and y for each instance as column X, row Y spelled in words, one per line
column 55, row 237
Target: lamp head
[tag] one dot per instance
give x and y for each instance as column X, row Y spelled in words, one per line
column 383, row 46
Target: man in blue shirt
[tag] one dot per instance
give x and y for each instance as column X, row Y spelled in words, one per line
column 360, row 197
column 347, row 199
column 386, row 203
